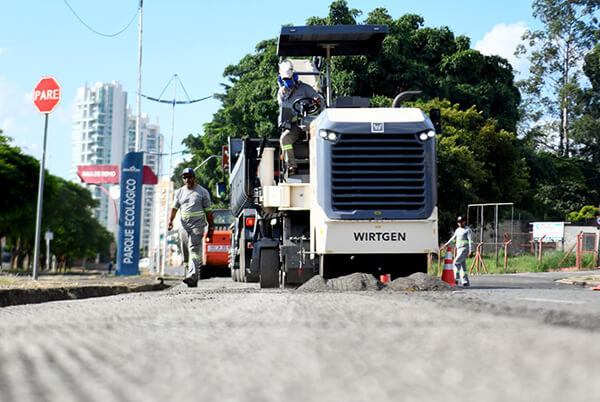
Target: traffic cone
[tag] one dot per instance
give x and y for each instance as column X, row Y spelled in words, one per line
column 448, row 274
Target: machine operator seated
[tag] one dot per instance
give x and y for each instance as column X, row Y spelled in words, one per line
column 296, row 99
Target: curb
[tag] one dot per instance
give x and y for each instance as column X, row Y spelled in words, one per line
column 588, row 281
column 12, row 297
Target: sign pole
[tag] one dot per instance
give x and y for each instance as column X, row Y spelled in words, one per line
column 38, row 225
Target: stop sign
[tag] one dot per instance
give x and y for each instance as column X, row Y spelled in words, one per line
column 46, row 94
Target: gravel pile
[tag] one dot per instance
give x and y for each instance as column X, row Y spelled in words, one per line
column 361, row 281
column 419, row 282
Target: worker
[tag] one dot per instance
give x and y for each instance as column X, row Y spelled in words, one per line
column 194, row 202
column 463, row 236
column 290, row 90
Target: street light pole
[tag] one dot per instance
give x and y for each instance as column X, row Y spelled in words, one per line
column 206, row 160
column 173, row 103
column 138, row 121
column 168, row 200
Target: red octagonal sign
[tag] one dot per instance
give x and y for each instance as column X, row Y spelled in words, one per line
column 46, row 94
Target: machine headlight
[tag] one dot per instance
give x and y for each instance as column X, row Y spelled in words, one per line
column 327, row 135
column 431, row 133
column 423, row 136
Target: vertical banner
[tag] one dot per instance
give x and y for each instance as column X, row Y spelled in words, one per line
column 128, row 251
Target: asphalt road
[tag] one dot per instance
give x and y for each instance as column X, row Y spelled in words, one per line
column 518, row 338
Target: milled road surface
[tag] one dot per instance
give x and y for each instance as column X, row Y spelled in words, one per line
column 231, row 341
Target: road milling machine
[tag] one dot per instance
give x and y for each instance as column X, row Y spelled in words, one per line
column 363, row 198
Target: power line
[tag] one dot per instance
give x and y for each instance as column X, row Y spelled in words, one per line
column 97, row 32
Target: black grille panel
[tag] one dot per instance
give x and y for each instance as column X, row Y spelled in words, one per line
column 378, row 171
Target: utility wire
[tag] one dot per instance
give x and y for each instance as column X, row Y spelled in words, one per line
column 97, row 32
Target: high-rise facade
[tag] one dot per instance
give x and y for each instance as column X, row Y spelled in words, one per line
column 103, row 132
column 152, row 144
column 98, row 137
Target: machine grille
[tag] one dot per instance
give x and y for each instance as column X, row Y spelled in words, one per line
column 378, row 172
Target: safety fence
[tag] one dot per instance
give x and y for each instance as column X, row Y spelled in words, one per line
column 515, row 245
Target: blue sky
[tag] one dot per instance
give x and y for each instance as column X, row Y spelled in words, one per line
column 194, row 39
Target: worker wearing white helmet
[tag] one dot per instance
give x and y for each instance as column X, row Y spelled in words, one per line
column 290, row 90
column 464, row 247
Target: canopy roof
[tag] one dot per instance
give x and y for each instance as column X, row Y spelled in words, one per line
column 344, row 40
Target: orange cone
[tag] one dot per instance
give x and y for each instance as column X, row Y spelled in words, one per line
column 448, row 274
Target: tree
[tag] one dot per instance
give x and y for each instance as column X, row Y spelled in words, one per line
column 559, row 185
column 67, row 210
column 248, row 109
column 77, row 234
column 586, row 213
column 586, row 129
column 479, row 160
column 553, row 86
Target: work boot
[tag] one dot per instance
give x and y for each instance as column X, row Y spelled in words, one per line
column 191, row 281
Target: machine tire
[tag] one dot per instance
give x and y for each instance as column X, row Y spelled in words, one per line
column 269, row 268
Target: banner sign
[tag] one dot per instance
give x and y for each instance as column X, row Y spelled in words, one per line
column 98, row 174
column 553, row 231
column 128, row 250
column 149, row 176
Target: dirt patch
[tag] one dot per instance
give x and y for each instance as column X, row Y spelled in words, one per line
column 361, row 281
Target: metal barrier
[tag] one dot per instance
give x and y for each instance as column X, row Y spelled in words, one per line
column 587, row 243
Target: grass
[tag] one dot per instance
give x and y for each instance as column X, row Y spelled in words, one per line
column 522, row 263
column 8, row 281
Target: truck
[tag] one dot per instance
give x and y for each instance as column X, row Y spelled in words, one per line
column 364, row 195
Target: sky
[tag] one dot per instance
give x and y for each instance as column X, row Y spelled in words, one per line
column 196, row 40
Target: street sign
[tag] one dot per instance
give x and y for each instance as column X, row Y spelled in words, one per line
column 49, row 235
column 550, row 231
column 46, row 95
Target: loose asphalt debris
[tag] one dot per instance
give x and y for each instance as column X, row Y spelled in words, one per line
column 361, row 281
column 19, row 290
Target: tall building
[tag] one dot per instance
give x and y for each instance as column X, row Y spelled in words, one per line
column 103, row 132
column 98, row 139
column 152, row 144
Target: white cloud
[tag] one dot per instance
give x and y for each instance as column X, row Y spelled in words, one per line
column 18, row 118
column 502, row 40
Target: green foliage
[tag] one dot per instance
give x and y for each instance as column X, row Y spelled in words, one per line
column 586, row 129
column 553, row 87
column 67, row 209
column 588, row 212
column 477, row 162
column 248, row 109
column 77, row 233
column 413, row 57
column 559, row 185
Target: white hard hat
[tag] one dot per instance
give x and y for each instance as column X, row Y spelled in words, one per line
column 286, row 69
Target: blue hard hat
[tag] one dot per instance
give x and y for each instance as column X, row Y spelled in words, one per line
column 188, row 171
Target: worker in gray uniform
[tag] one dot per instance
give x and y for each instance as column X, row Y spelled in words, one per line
column 194, row 202
column 463, row 236
column 290, row 90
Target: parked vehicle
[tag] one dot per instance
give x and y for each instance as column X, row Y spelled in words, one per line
column 216, row 252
